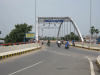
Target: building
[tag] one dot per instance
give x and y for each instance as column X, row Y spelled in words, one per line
column 1, row 41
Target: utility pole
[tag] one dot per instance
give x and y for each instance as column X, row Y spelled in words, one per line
column 70, row 30
column 67, row 30
column 64, row 30
column 35, row 19
column 49, row 30
column 90, row 20
column 42, row 32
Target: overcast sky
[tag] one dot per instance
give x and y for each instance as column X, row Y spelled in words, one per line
column 23, row 11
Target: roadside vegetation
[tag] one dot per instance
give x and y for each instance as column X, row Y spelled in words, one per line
column 2, row 38
column 17, row 34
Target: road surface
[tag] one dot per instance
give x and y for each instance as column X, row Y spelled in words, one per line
column 52, row 61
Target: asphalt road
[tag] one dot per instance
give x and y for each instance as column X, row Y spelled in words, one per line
column 52, row 61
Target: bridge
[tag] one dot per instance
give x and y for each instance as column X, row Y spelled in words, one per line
column 28, row 58
column 57, row 20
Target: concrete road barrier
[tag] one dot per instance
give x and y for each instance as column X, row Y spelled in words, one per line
column 88, row 46
column 98, row 61
column 8, row 51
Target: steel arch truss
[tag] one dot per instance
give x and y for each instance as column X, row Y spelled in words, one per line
column 77, row 29
column 42, row 20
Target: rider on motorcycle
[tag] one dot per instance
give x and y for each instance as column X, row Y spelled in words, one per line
column 48, row 42
column 67, row 42
column 42, row 42
column 59, row 42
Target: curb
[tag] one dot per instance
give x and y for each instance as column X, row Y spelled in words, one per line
column 18, row 53
column 88, row 48
column 98, row 63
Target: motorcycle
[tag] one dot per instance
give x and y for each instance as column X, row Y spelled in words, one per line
column 66, row 46
column 42, row 43
column 48, row 44
column 59, row 44
column 73, row 44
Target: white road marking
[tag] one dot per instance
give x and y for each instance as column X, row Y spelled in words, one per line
column 91, row 66
column 25, row 68
column 93, row 59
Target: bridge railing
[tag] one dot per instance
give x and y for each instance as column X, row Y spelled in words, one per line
column 12, row 44
column 87, row 45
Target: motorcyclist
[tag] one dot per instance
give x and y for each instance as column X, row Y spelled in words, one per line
column 59, row 42
column 42, row 42
column 48, row 42
column 73, row 42
column 67, row 42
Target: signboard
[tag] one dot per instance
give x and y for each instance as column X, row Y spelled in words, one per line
column 54, row 20
column 30, row 35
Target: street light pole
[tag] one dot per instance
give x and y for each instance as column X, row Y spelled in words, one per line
column 90, row 20
column 67, row 30
column 55, row 33
column 49, row 30
column 35, row 19
column 64, row 30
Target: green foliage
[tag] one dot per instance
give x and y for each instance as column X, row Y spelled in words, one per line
column 72, row 36
column 84, row 40
column 43, row 38
column 48, row 42
column 17, row 34
column 2, row 38
column 96, row 31
column 92, row 30
column 62, row 38
column 53, row 38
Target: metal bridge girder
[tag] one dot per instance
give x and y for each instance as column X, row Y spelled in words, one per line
column 65, row 19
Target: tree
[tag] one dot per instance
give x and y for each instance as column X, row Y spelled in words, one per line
column 92, row 30
column 2, row 38
column 53, row 38
column 76, row 37
column 72, row 35
column 96, row 31
column 43, row 38
column 17, row 34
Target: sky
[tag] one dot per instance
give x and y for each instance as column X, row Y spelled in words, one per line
column 23, row 11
